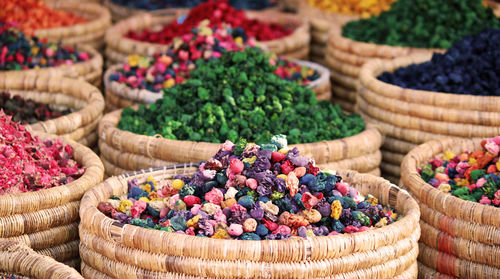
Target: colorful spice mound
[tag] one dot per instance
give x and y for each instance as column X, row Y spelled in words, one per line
column 423, row 23
column 217, row 12
column 34, row 14
column 251, row 192
column 472, row 176
column 28, row 164
column 471, row 66
column 28, row 111
column 8, row 276
column 21, row 52
column 165, row 4
column 237, row 96
column 364, row 8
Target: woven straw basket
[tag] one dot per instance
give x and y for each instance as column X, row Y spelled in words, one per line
column 87, row 101
column 495, row 5
column 90, row 71
column 110, row 249
column 47, row 220
column 123, row 151
column 124, row 96
column 459, row 238
column 119, row 47
column 344, row 57
column 18, row 259
column 410, row 117
column 91, row 32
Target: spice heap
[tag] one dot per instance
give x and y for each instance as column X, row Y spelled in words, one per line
column 472, row 176
column 165, row 70
column 21, row 52
column 238, row 96
column 28, row 111
column 165, row 4
column 471, row 66
column 28, row 164
column 251, row 192
column 292, row 71
column 34, row 14
column 8, row 276
column 423, row 23
column 217, row 12
column 364, row 8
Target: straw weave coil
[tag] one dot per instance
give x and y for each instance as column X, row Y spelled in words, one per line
column 47, row 220
column 123, row 150
column 459, row 238
column 410, row 117
column 344, row 57
column 110, row 249
column 119, row 47
column 85, row 99
column 18, row 259
column 124, row 96
column 91, row 32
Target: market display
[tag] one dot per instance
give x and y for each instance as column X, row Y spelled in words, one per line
column 28, row 111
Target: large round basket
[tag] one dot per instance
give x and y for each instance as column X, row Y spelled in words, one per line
column 91, row 32
column 22, row 262
column 90, row 71
column 459, row 238
column 47, row 220
column 85, row 99
column 119, row 47
column 344, row 57
column 123, row 151
column 119, row 95
column 410, row 117
column 110, row 249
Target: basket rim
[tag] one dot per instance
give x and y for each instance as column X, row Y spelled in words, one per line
column 411, row 216
column 413, row 181
column 55, row 196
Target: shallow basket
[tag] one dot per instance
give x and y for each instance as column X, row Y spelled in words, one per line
column 91, row 32
column 19, row 260
column 46, row 220
column 123, row 151
column 120, row 95
column 90, row 71
column 85, row 99
column 119, row 47
column 410, row 117
column 344, row 57
column 459, row 238
column 110, row 249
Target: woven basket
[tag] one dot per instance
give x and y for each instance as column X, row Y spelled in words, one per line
column 411, row 117
column 344, row 57
column 124, row 96
column 119, row 47
column 123, row 150
column 91, row 32
column 18, row 259
column 47, row 220
column 495, row 5
column 459, row 238
column 90, row 71
column 110, row 249
column 87, row 101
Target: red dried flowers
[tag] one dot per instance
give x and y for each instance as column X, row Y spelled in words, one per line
column 28, row 164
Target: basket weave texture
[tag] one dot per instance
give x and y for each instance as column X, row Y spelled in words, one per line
column 410, row 117
column 91, row 32
column 90, row 71
column 123, row 151
column 18, row 259
column 85, row 99
column 110, row 249
column 118, row 47
column 124, row 96
column 459, row 238
column 344, row 57
column 47, row 220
